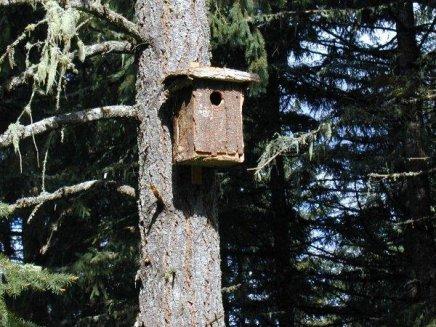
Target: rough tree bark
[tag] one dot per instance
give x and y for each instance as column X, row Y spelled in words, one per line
column 180, row 264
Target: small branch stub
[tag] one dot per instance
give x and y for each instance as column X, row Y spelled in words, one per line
column 207, row 106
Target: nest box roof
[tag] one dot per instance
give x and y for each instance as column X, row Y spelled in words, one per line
column 217, row 74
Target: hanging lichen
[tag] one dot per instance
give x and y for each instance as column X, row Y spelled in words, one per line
column 56, row 55
column 81, row 50
column 15, row 131
column 56, row 58
column 5, row 210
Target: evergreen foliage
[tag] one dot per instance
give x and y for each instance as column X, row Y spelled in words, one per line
column 19, row 278
column 230, row 27
column 94, row 235
column 347, row 234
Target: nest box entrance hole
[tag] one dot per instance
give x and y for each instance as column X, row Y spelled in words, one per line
column 216, row 98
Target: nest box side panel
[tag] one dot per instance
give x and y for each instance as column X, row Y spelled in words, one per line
column 183, row 125
column 233, row 100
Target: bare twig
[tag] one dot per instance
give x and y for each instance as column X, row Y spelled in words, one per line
column 11, row 47
column 427, row 34
column 418, row 159
column 56, row 122
column 21, row 79
column 414, row 221
column 34, row 211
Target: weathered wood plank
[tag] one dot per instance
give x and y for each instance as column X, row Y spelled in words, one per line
column 218, row 74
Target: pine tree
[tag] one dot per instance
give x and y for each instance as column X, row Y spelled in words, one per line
column 354, row 264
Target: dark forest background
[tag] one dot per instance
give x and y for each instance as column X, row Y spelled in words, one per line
column 335, row 226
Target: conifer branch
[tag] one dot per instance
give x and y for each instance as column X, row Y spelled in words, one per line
column 17, row 278
column 21, row 132
column 67, row 191
column 285, row 144
column 283, row 14
column 358, row 5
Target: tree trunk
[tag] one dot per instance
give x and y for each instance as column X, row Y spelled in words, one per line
column 414, row 196
column 280, row 221
column 180, row 263
column 281, row 213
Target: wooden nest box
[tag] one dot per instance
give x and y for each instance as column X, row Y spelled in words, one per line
column 207, row 122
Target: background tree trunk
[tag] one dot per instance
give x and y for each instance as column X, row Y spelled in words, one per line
column 414, row 196
column 281, row 218
column 180, row 264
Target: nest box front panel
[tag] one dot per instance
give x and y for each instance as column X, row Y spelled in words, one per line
column 217, row 114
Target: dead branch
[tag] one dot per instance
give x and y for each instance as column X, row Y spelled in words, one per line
column 401, row 175
column 90, row 51
column 21, row 79
column 56, row 122
column 109, row 47
column 13, row 2
column 96, row 9
column 126, row 190
column 418, row 159
column 67, row 191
